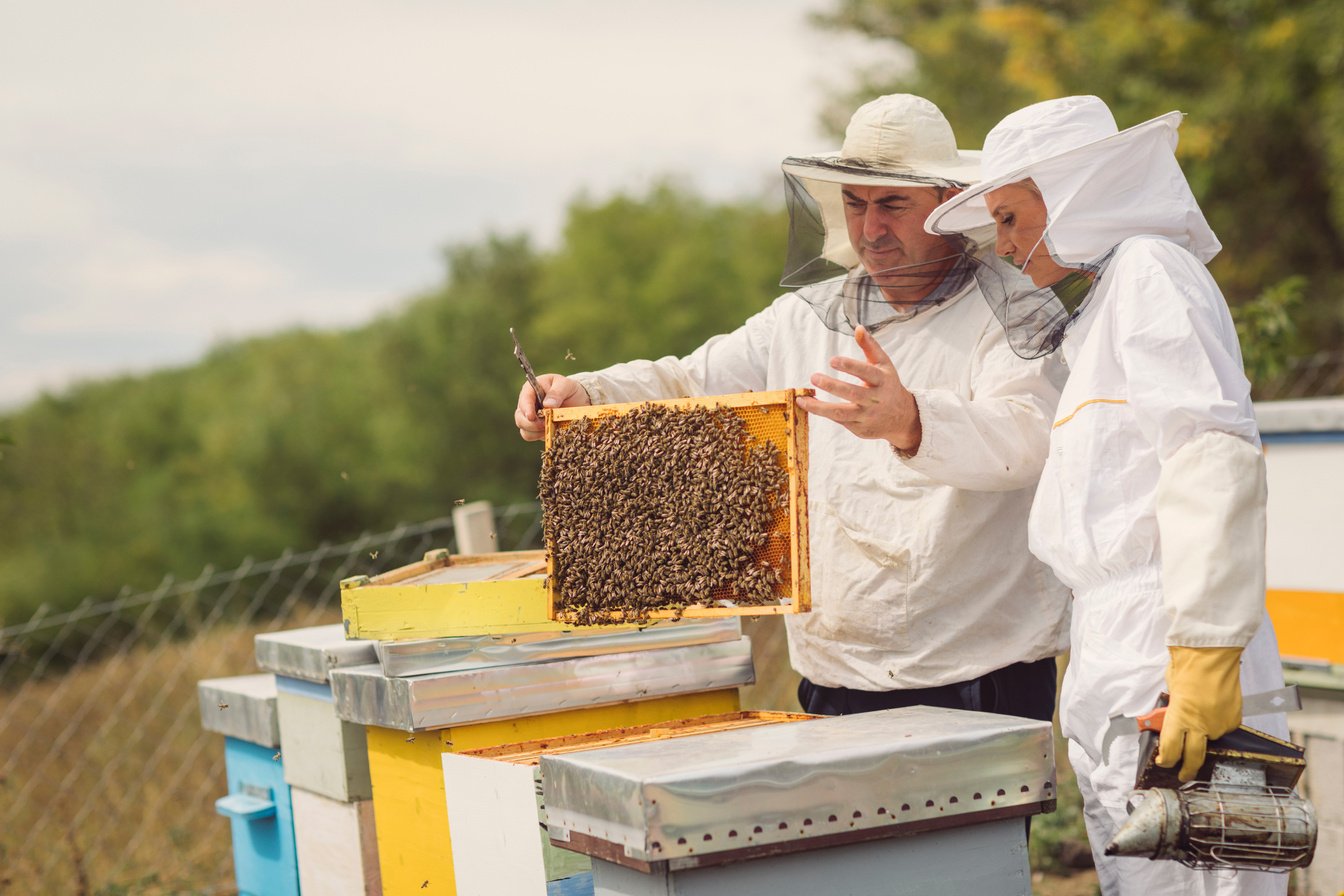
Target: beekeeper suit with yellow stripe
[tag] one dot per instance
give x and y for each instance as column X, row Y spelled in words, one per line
column 1151, row 506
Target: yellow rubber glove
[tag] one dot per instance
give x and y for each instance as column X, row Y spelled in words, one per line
column 1205, row 688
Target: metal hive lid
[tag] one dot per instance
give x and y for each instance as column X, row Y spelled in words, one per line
column 841, row 778
column 311, row 653
column 365, row 695
column 242, row 706
column 403, row 659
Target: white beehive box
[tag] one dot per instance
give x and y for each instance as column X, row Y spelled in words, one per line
column 1322, row 733
column 323, row 753
column 336, row 844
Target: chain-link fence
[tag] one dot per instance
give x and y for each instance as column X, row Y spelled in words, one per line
column 107, row 781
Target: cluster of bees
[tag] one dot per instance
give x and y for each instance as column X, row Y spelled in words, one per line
column 659, row 508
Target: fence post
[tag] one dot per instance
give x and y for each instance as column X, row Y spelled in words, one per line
column 474, row 528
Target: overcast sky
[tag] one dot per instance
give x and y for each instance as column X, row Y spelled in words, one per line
column 176, row 173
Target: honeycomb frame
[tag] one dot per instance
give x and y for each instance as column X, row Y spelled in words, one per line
column 769, row 416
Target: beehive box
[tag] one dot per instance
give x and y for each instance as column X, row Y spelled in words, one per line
column 415, row 852
column 243, row 709
column 1322, row 733
column 503, row 783
column 758, row 792
column 366, row 696
column 755, row 422
column 446, row 595
column 323, row 753
column 337, row 845
column 412, row 721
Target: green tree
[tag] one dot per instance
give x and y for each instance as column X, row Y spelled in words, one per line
column 1262, row 84
column 450, row 359
column 648, row 276
column 1266, row 331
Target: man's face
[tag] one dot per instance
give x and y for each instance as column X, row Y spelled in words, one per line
column 886, row 229
column 1020, row 218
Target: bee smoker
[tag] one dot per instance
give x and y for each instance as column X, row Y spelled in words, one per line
column 1240, row 812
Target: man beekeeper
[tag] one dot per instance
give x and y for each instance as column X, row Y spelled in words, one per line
column 933, row 434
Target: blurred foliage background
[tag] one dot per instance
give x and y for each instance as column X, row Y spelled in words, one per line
column 1260, row 81
column 306, row 436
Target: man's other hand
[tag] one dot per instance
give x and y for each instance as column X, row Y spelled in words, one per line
column 561, row 392
column 878, row 406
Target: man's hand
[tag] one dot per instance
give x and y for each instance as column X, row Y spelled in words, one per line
column 877, row 407
column 561, row 392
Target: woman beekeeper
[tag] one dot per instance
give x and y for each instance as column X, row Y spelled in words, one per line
column 1152, row 503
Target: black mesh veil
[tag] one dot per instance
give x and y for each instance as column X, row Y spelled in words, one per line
column 841, row 291
column 808, row 258
column 1035, row 318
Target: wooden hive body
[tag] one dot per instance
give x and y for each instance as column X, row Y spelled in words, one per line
column 337, row 845
column 257, row 804
column 261, row 820
column 409, row 796
column 446, row 595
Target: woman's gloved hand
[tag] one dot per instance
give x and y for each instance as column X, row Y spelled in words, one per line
column 1204, row 684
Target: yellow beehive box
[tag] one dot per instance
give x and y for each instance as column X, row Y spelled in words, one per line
column 766, row 417
column 446, row 596
column 410, row 799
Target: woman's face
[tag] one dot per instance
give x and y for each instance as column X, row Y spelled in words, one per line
column 1019, row 213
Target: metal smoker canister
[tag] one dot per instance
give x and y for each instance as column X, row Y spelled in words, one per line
column 1236, row 815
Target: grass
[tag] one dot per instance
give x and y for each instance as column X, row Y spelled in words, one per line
column 108, row 781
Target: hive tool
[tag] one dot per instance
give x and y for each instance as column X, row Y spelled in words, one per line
column 527, row 368
column 1284, row 699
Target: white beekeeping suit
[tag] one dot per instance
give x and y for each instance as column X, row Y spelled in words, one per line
column 1151, row 505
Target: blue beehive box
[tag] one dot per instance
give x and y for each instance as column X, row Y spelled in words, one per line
column 258, row 803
